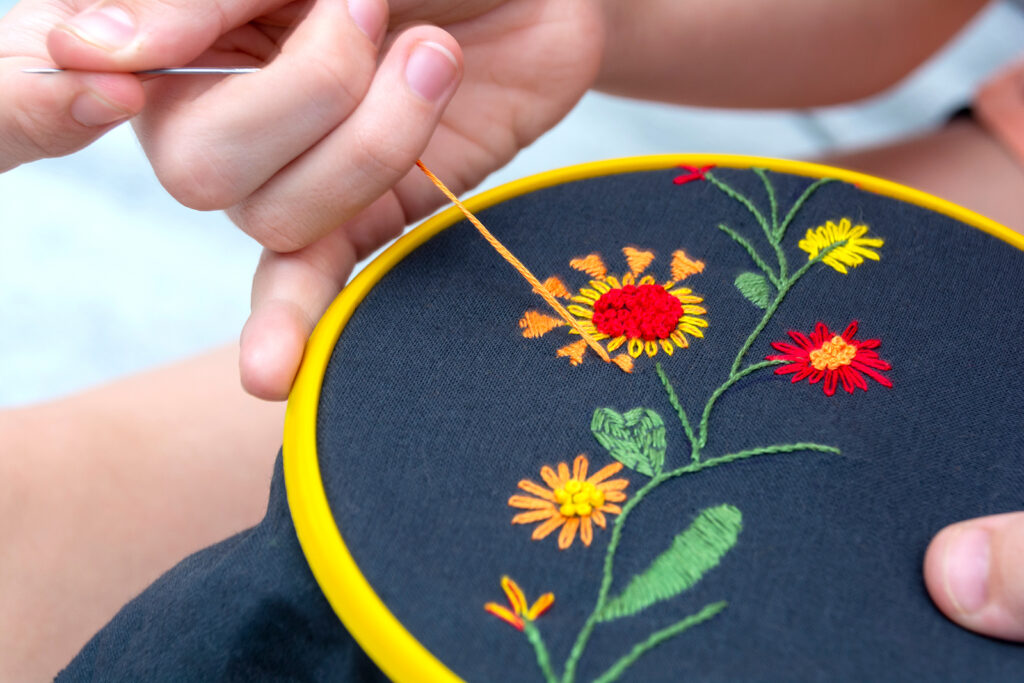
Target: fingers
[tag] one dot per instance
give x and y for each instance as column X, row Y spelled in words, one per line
column 291, row 291
column 46, row 115
column 131, row 35
column 974, row 571
column 367, row 154
column 241, row 131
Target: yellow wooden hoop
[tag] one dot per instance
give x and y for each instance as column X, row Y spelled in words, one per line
column 367, row 618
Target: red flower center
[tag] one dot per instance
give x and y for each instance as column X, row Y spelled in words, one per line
column 645, row 312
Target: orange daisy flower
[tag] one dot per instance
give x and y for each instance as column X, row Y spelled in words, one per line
column 573, row 502
column 521, row 609
column 633, row 310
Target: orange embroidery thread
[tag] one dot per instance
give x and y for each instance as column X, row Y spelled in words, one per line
column 523, row 270
column 521, row 610
column 573, row 502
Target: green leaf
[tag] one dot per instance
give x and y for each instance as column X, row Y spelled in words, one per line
column 755, row 288
column 636, row 439
column 693, row 553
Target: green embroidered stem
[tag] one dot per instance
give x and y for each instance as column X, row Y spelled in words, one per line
column 657, row 638
column 733, row 378
column 606, row 579
column 811, row 189
column 783, row 290
column 678, row 407
column 543, row 659
column 770, row 190
column 755, row 257
column 742, row 199
column 609, row 558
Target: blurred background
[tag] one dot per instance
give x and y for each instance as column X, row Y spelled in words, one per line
column 103, row 274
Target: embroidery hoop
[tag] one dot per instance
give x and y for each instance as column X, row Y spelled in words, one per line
column 394, row 649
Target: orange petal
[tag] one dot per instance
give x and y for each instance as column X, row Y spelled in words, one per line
column 573, row 351
column 598, row 517
column 568, row 534
column 604, row 473
column 534, row 515
column 542, row 605
column 579, row 467
column 590, row 264
column 683, row 266
column 503, row 614
column 613, row 485
column 514, row 594
column 586, row 531
column 563, row 473
column 530, row 503
column 550, row 478
column 624, row 362
column 611, row 509
column 637, row 260
column 536, row 324
column 536, row 489
column 615, row 496
column 556, row 287
column 547, row 527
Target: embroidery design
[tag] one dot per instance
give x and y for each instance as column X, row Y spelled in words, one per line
column 832, row 357
column 632, row 309
column 573, row 501
column 636, row 439
column 519, row 611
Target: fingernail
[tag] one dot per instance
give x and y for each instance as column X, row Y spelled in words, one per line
column 965, row 568
column 89, row 109
column 430, row 71
column 370, row 16
column 109, row 28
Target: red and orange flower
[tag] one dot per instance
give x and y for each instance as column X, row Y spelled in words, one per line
column 835, row 358
column 574, row 502
column 520, row 609
column 632, row 310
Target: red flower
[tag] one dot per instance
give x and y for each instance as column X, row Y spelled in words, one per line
column 832, row 357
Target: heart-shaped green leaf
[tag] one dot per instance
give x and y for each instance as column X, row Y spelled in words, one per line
column 756, row 288
column 693, row 553
column 636, row 438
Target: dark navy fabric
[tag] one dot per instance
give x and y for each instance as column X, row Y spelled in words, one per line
column 434, row 407
column 246, row 609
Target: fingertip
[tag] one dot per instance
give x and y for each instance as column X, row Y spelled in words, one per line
column 272, row 342
column 433, row 69
column 974, row 572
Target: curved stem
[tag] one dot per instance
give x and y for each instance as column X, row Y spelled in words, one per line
column 543, row 658
column 811, row 189
column 770, row 191
column 758, row 261
column 606, row 580
column 733, row 378
column 678, row 407
column 742, row 199
column 657, row 638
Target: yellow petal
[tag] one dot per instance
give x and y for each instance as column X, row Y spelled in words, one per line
column 651, row 348
column 636, row 347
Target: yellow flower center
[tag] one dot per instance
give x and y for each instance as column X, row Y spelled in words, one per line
column 578, row 498
column 833, row 354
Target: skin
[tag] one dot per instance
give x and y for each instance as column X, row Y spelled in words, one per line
column 325, row 193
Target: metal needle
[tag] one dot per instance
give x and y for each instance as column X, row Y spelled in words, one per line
column 184, row 70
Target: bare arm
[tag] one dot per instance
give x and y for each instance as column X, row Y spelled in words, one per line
column 770, row 53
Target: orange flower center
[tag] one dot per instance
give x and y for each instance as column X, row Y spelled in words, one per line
column 645, row 312
column 578, row 498
column 833, row 354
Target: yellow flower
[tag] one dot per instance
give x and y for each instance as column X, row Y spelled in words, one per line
column 517, row 601
column 573, row 501
column 633, row 309
column 852, row 253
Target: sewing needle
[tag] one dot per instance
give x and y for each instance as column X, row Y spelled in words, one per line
column 182, row 70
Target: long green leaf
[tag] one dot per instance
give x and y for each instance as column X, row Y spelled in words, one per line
column 693, row 553
column 636, row 438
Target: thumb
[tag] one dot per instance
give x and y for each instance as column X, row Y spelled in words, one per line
column 47, row 115
column 974, row 571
